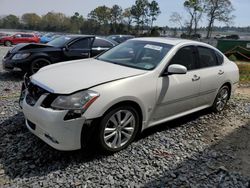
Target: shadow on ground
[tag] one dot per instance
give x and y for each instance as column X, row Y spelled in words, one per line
column 11, row 76
column 225, row 163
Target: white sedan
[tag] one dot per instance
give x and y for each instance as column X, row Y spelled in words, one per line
column 109, row 99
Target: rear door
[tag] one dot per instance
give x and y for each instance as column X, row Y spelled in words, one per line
column 79, row 49
column 212, row 74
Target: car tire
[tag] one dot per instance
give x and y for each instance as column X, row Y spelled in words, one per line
column 8, row 43
column 37, row 64
column 118, row 129
column 221, row 99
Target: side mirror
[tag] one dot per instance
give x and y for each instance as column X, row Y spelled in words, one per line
column 177, row 69
column 65, row 48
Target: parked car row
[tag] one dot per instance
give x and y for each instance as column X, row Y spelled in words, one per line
column 9, row 40
column 109, row 99
column 31, row 57
column 19, row 38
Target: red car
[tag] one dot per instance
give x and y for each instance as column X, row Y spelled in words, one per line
column 19, row 38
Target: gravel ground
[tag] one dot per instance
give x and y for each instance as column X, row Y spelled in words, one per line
column 200, row 150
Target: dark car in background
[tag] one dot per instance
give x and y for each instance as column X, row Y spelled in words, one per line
column 120, row 38
column 19, row 38
column 31, row 57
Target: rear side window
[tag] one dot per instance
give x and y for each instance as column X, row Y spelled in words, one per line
column 80, row 44
column 186, row 57
column 102, row 43
column 207, row 57
column 220, row 58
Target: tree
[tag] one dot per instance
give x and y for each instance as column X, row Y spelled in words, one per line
column 116, row 16
column 31, row 20
column 54, row 21
column 11, row 22
column 139, row 12
column 154, row 11
column 195, row 10
column 76, row 23
column 218, row 10
column 176, row 19
column 127, row 18
column 100, row 14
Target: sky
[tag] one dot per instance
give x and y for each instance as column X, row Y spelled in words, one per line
column 68, row 7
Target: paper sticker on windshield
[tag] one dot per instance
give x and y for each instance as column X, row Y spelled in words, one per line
column 153, row 47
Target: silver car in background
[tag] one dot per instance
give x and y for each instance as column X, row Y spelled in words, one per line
column 135, row 85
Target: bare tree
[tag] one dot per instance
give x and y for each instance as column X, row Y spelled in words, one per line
column 195, row 10
column 128, row 18
column 218, row 10
column 176, row 19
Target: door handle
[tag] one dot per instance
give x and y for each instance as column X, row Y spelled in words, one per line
column 195, row 78
column 221, row 72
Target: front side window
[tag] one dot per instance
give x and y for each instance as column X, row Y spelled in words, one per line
column 207, row 57
column 80, row 44
column 186, row 57
column 137, row 54
column 60, row 41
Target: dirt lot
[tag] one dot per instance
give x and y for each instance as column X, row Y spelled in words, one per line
column 200, row 150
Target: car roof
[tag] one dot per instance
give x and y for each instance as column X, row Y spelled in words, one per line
column 171, row 41
column 78, row 36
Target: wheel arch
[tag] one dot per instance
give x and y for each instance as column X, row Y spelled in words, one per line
column 129, row 103
column 229, row 85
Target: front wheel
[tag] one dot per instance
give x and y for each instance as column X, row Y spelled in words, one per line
column 37, row 64
column 118, row 128
column 221, row 99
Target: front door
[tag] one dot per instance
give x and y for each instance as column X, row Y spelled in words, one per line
column 178, row 93
column 79, row 49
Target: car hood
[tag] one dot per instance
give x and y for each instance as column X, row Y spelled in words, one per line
column 72, row 76
column 30, row 47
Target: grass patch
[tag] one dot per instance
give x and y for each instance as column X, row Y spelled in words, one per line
column 244, row 69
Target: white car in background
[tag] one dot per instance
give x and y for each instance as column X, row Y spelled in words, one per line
column 135, row 85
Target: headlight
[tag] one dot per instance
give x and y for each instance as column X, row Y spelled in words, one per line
column 79, row 101
column 20, row 56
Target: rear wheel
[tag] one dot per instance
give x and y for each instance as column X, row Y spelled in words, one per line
column 118, row 128
column 37, row 64
column 221, row 99
column 7, row 43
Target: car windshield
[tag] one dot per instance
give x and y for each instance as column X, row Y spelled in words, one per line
column 137, row 54
column 59, row 41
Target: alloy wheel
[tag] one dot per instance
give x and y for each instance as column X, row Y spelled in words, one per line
column 119, row 129
column 222, row 99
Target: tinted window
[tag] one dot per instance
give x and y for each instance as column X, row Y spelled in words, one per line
column 26, row 35
column 102, row 43
column 207, row 57
column 60, row 41
column 220, row 58
column 186, row 57
column 80, row 44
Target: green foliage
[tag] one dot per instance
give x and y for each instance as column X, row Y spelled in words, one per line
column 11, row 22
column 102, row 20
column 232, row 58
column 31, row 21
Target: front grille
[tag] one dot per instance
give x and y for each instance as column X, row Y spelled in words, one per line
column 34, row 93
